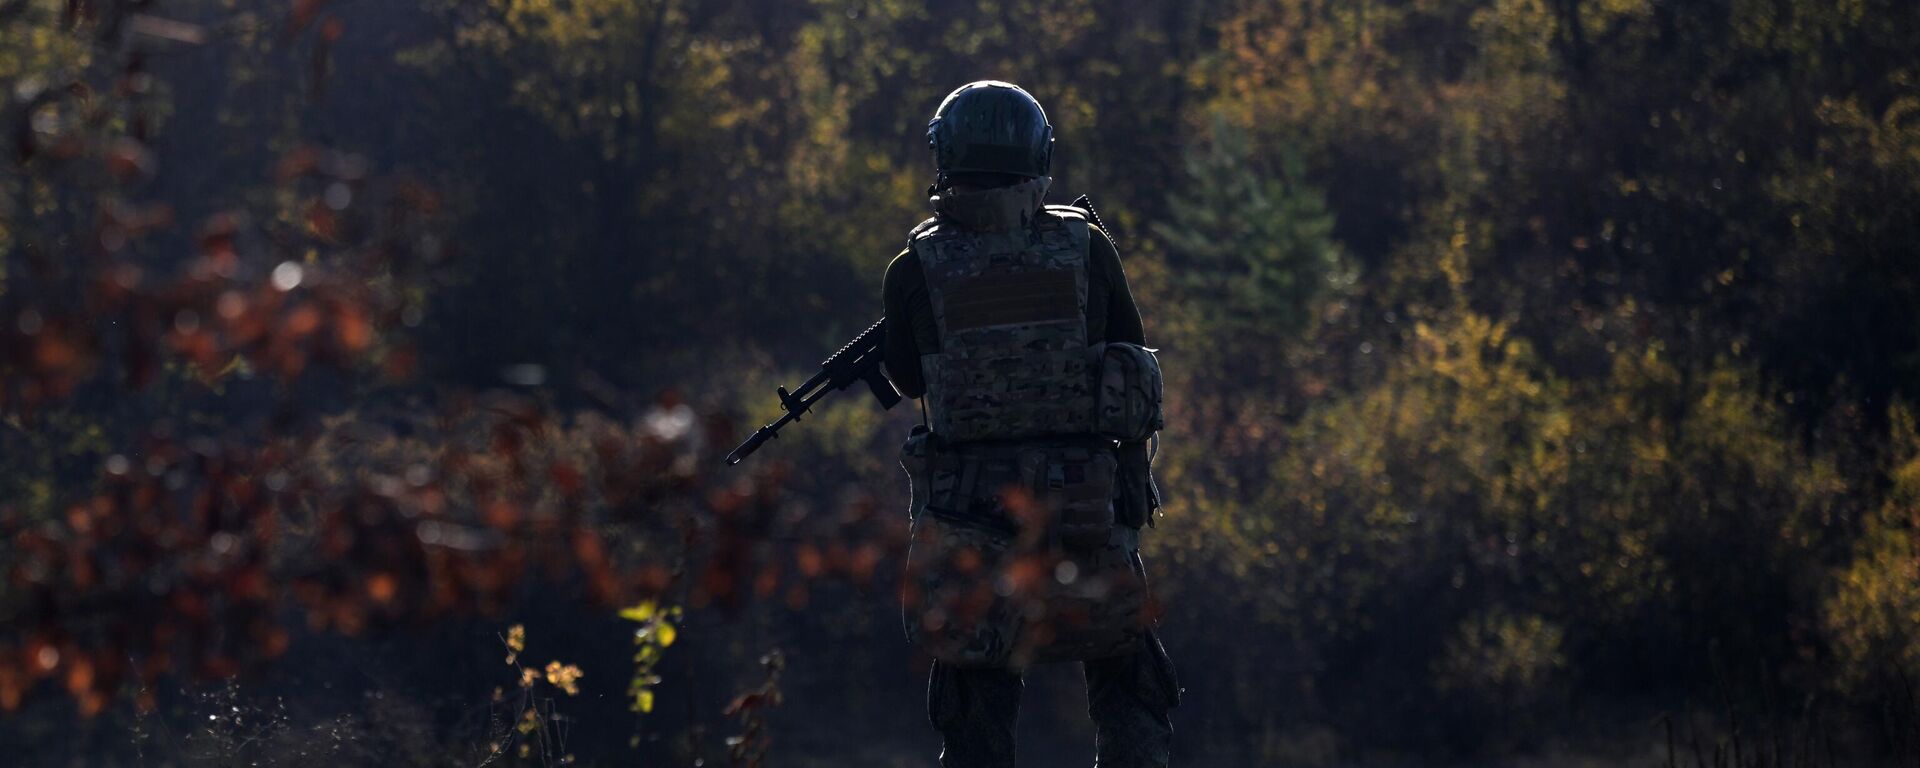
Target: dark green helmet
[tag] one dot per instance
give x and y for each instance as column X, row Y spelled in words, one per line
column 988, row 126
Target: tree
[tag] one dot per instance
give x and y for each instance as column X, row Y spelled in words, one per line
column 1250, row 247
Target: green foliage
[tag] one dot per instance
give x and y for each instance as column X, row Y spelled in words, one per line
column 1507, row 663
column 1251, row 250
column 1524, row 356
column 1874, row 611
column 1503, row 529
column 651, row 639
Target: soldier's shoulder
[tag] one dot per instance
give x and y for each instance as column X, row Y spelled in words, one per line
column 1075, row 213
column 903, row 272
column 924, row 229
column 905, row 259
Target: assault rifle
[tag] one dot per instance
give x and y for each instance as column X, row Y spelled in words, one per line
column 859, row 360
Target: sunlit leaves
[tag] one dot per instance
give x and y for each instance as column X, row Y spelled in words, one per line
column 537, row 724
column 566, row 677
column 386, row 531
column 1512, row 659
column 651, row 639
column 1873, row 612
column 642, row 612
column 516, row 642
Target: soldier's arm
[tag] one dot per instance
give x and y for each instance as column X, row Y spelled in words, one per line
column 1123, row 317
column 901, row 356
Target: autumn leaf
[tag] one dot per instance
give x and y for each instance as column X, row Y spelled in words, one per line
column 566, row 676
column 642, row 612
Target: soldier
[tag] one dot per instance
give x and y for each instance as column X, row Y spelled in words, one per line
column 1013, row 323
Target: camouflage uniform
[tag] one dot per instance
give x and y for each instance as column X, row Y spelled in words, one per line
column 998, row 518
column 991, row 510
column 1013, row 322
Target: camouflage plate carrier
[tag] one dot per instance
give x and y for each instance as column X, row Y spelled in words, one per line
column 1015, row 556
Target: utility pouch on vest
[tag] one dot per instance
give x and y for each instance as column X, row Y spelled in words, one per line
column 1128, row 409
column 1137, row 496
column 1127, row 406
column 1073, row 488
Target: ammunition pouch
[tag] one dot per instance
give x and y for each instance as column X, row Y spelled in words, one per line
column 1129, row 392
column 1129, row 395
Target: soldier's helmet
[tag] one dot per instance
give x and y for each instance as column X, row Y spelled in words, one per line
column 988, row 126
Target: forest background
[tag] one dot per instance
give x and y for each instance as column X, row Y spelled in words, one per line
column 1541, row 374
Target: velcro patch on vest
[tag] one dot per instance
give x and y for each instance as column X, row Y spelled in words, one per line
column 983, row 301
column 1010, row 312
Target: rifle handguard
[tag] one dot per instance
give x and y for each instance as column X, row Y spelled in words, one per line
column 859, row 359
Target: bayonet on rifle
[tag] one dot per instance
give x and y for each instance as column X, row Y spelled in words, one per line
column 859, row 360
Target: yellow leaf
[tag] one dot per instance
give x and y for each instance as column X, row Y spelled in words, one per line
column 642, row 612
column 667, row 634
column 643, row 701
column 565, row 676
column 517, row 638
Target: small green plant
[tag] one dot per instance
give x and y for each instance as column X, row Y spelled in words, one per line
column 651, row 640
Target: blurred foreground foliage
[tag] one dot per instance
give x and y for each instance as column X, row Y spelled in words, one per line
column 1535, row 365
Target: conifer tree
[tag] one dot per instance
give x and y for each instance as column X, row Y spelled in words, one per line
column 1252, row 242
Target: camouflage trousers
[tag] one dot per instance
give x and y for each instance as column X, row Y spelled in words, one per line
column 1128, row 698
